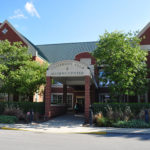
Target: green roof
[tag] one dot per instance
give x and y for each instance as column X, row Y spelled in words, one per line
column 64, row 51
column 40, row 53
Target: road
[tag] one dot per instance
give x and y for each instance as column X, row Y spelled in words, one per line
column 24, row 140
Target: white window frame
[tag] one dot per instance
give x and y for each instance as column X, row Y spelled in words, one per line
column 62, row 98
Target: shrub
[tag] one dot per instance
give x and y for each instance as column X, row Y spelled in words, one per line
column 12, row 111
column 131, row 124
column 129, row 110
column 97, row 116
column 2, row 107
column 24, row 106
column 8, row 119
column 101, row 122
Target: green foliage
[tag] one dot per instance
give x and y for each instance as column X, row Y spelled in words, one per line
column 135, row 107
column 131, row 124
column 102, row 122
column 19, row 74
column 124, row 63
column 24, row 106
column 8, row 119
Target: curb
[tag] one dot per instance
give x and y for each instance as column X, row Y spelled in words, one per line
column 7, row 128
column 94, row 132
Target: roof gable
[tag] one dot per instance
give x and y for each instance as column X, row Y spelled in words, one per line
column 145, row 35
column 32, row 48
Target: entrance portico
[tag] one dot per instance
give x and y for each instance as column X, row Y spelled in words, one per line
column 69, row 73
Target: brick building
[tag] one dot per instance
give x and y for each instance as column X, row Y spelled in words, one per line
column 72, row 73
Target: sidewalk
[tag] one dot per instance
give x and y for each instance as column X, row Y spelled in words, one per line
column 70, row 124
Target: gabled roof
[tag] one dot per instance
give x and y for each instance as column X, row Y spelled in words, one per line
column 40, row 53
column 56, row 52
column 143, row 30
column 31, row 46
column 65, row 51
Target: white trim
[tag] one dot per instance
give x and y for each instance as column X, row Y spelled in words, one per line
column 145, row 47
column 68, row 68
column 57, row 86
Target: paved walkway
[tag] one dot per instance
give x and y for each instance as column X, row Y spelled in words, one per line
column 70, row 124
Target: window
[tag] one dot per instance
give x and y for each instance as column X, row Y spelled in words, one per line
column 56, row 84
column 86, row 61
column 104, row 97
column 102, row 77
column 36, row 96
column 4, row 31
column 143, row 98
column 57, row 99
column 104, row 82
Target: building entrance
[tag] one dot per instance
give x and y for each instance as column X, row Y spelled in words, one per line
column 80, row 100
column 68, row 73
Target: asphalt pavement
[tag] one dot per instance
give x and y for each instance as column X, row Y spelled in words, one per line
column 25, row 140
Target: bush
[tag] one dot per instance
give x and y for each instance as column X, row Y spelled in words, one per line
column 2, row 107
column 12, row 111
column 131, row 124
column 8, row 119
column 24, row 106
column 101, row 122
column 125, row 115
column 129, row 110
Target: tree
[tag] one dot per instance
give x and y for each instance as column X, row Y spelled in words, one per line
column 124, row 63
column 19, row 74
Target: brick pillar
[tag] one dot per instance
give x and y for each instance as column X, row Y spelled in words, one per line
column 48, row 97
column 87, row 98
column 93, row 94
column 64, row 93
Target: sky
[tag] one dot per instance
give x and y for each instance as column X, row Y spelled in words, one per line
column 65, row 21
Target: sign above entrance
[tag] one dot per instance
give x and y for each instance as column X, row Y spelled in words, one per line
column 68, row 68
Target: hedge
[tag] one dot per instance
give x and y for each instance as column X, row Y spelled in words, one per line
column 135, row 107
column 8, row 119
column 25, row 106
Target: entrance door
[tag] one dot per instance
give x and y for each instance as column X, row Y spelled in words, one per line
column 80, row 100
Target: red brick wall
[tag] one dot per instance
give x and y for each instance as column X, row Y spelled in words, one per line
column 10, row 35
column 57, row 110
column 87, row 98
column 146, row 40
column 48, row 97
column 60, row 90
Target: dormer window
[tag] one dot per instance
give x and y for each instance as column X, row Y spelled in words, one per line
column 86, row 61
column 5, row 31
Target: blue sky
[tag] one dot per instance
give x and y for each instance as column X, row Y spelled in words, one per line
column 63, row 21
